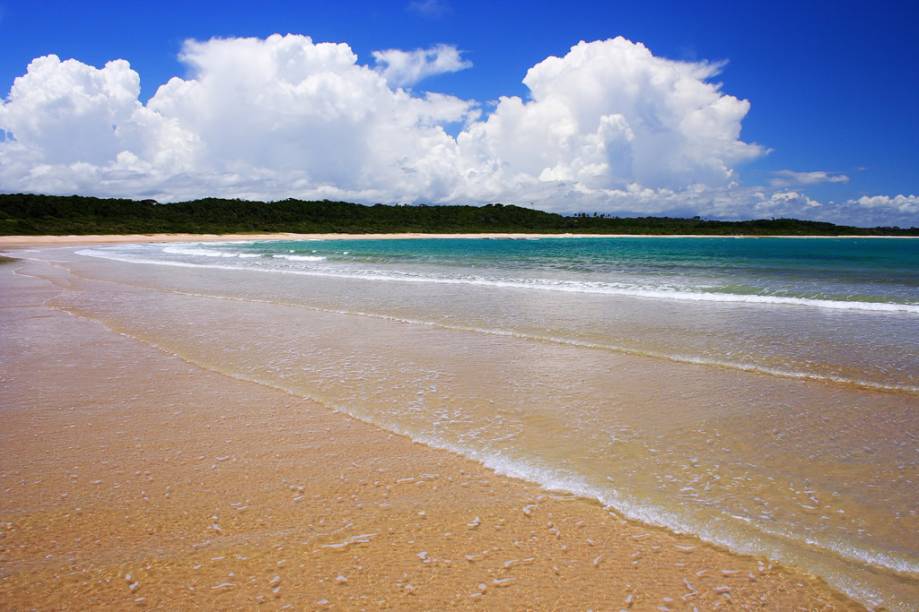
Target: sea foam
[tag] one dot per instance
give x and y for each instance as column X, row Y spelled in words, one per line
column 586, row 287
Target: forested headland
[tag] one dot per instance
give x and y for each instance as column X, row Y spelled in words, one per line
column 28, row 214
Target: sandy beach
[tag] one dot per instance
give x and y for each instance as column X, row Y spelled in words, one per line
column 12, row 242
column 133, row 477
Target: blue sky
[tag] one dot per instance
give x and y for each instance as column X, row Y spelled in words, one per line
column 833, row 87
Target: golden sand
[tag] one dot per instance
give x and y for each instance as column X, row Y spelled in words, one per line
column 132, row 478
column 24, row 241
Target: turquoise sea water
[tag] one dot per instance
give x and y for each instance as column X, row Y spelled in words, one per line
column 845, row 270
column 760, row 393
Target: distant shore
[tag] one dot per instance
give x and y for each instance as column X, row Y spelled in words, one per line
column 38, row 215
column 25, row 241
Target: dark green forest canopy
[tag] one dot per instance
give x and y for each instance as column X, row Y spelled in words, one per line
column 26, row 214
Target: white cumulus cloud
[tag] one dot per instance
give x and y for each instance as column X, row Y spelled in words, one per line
column 610, row 115
column 784, row 204
column 266, row 118
column 403, row 68
column 608, row 126
column 784, row 178
column 899, row 203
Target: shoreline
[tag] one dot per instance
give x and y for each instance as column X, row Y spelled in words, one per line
column 344, row 513
column 68, row 240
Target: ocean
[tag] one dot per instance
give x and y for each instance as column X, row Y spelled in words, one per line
column 758, row 393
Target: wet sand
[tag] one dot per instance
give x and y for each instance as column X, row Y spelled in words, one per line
column 133, row 478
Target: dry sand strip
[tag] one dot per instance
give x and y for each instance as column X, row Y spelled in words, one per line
column 132, row 478
column 10, row 242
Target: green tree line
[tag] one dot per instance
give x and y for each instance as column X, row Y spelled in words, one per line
column 28, row 214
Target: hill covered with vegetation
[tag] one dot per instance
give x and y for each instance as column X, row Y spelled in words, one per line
column 26, row 214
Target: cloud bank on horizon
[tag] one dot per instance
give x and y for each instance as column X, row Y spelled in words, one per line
column 607, row 127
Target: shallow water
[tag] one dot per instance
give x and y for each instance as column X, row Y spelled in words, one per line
column 761, row 394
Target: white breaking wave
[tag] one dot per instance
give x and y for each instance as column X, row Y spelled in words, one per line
column 597, row 288
column 300, row 257
column 197, row 252
column 202, row 252
column 687, row 359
